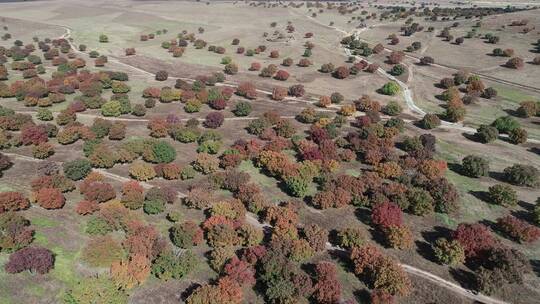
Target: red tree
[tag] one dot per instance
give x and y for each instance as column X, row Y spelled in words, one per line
column 12, row 201
column 50, row 198
column 475, row 238
column 386, row 215
column 327, row 289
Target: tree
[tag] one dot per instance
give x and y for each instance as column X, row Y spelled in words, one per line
column 316, row 237
column 474, row 238
column 231, row 69
column 448, row 252
column 161, row 75
column 102, row 251
column 130, row 272
column 162, row 152
column 399, row 237
column 387, row 214
column 505, row 124
column 33, row 259
column 503, row 195
column 242, row 108
column 99, row 192
column 214, row 120
column 430, row 121
column 186, row 235
column 111, row 108
column 341, row 72
column 142, row 171
column 518, row 230
column 486, row 134
column 279, row 93
column 240, row 271
column 327, row 290
column 518, row 136
column 392, row 108
column 206, row 163
column 396, row 57
column 15, row 232
column 515, row 63
column 282, row 75
column 475, row 166
column 12, row 201
column 296, row 90
column 521, row 175
column 50, row 198
column 247, row 90
column 426, row 60
column 95, row 289
column 421, row 202
column 528, row 109
column 390, row 88
column 170, row 265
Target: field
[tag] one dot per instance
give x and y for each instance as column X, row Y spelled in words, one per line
column 145, row 182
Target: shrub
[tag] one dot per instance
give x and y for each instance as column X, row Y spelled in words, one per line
column 503, row 195
column 486, row 134
column 521, row 175
column 430, row 121
column 448, row 252
column 390, row 88
column 475, row 166
column 77, row 169
column 33, row 259
column 386, row 214
column 351, row 237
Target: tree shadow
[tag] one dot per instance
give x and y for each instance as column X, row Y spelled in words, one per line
column 471, row 137
column 463, row 277
column 424, row 247
column 481, row 195
column 535, row 264
column 511, row 112
column 534, row 150
column 490, row 224
column 362, row 296
column 456, row 168
column 499, row 176
column 188, row 291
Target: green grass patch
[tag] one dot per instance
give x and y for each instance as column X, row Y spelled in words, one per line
column 512, row 95
column 44, row 222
